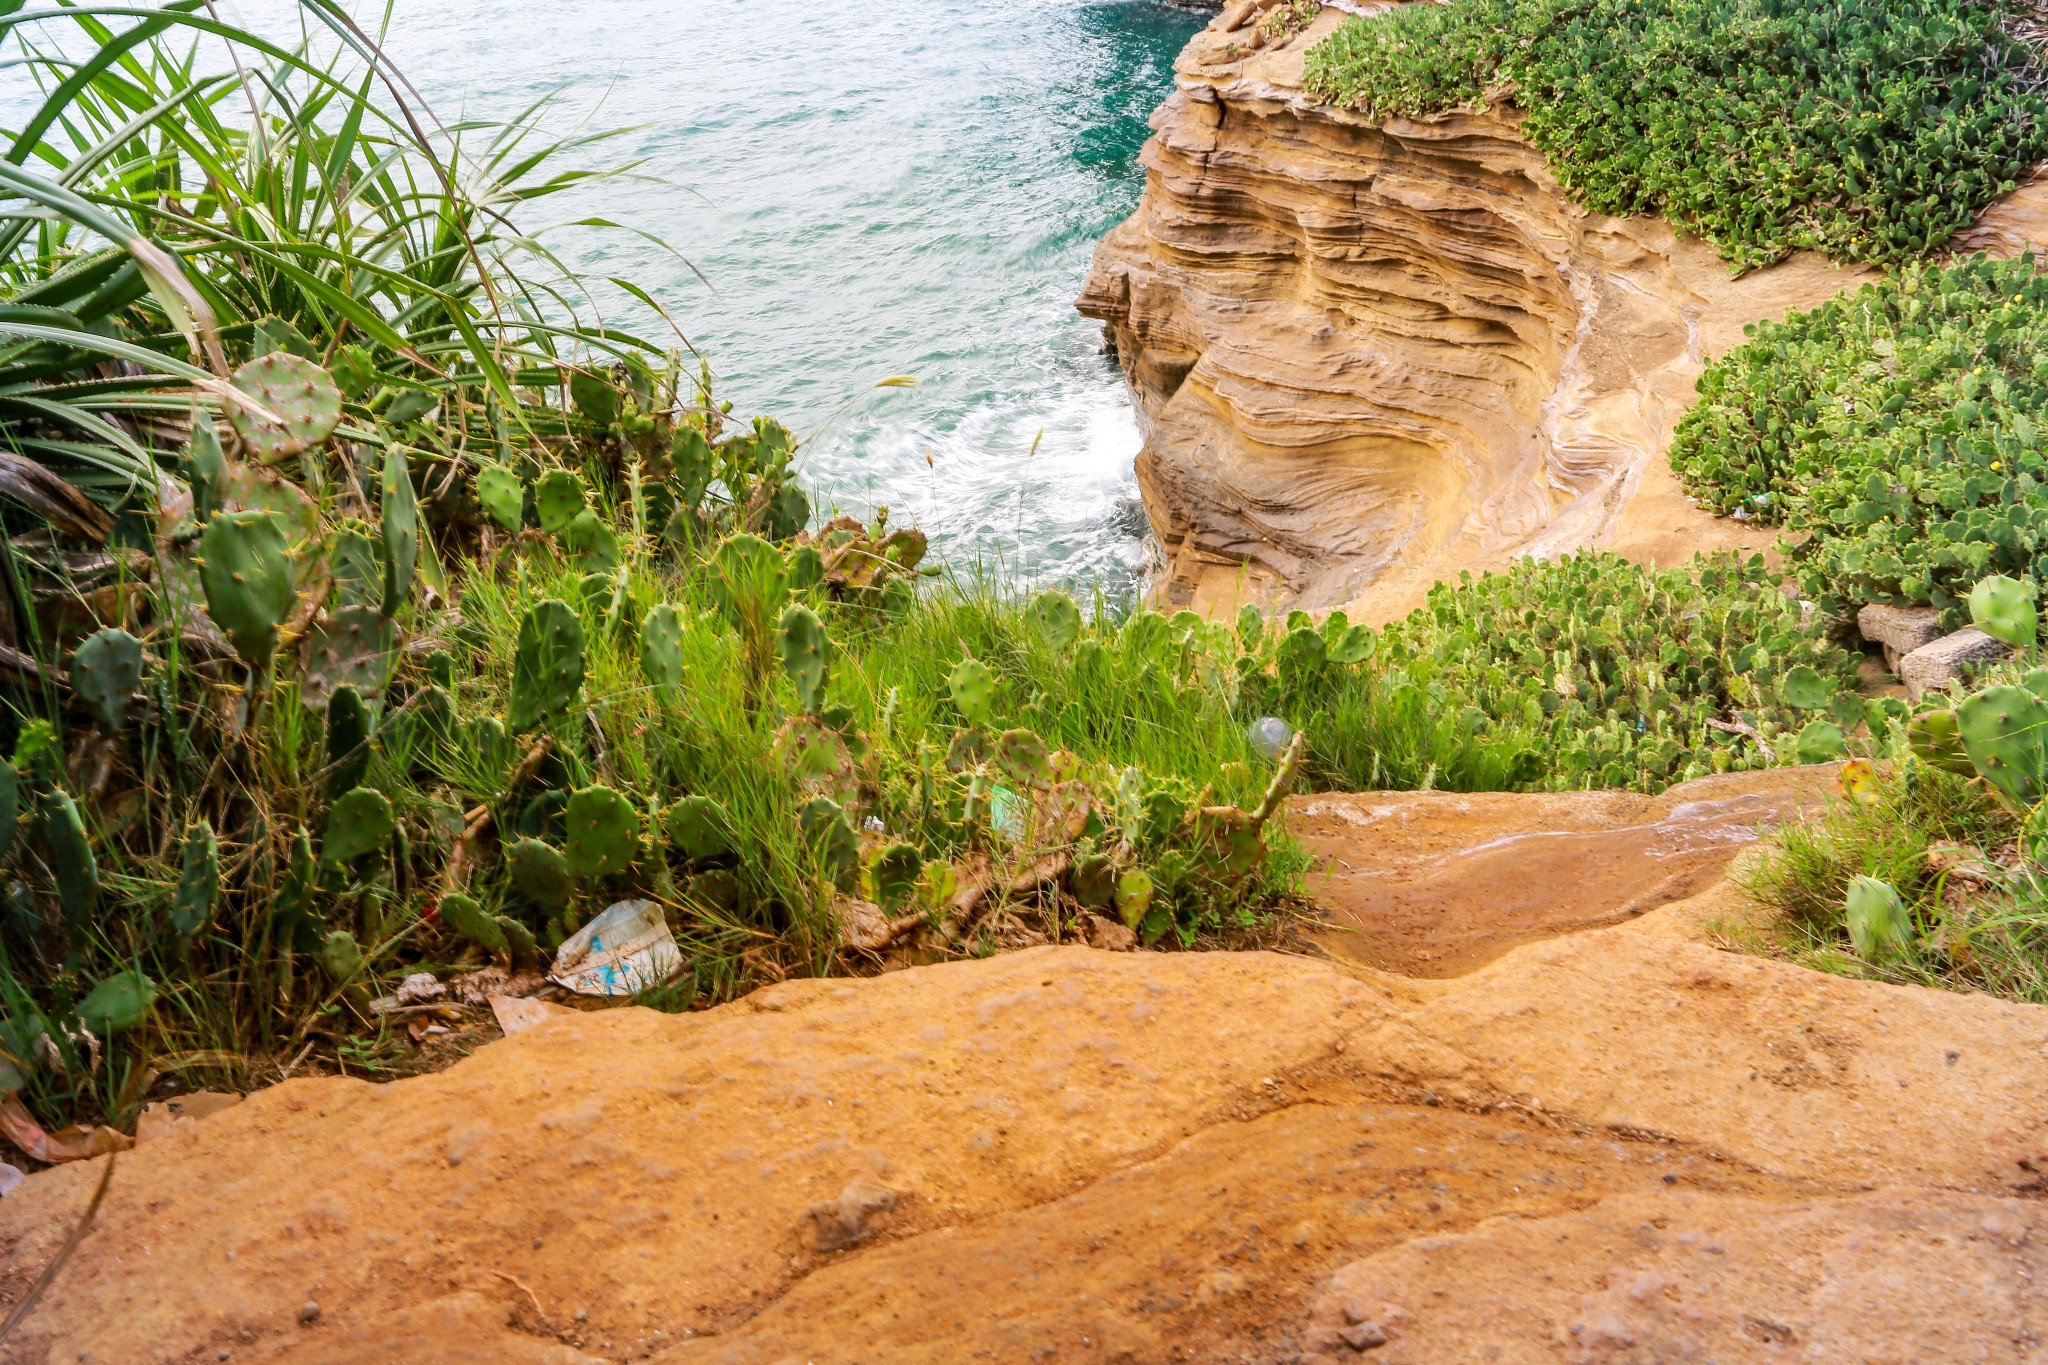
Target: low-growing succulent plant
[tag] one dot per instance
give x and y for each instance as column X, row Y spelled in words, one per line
column 502, row 496
column 341, row 956
column 973, row 689
column 1879, row 925
column 827, row 831
column 347, row 741
column 105, row 672
column 359, row 823
column 698, row 828
column 76, row 870
column 1055, row 619
column 464, row 917
column 117, row 1004
column 353, row 647
column 540, row 873
column 558, row 498
column 206, row 471
column 198, row 880
column 294, row 390
column 894, row 874
column 247, row 577
column 2004, row 730
column 661, row 649
column 1023, row 758
column 801, row 638
column 604, row 833
column 547, row 665
column 595, row 545
column 2003, row 608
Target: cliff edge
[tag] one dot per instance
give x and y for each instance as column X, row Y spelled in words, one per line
column 1368, row 356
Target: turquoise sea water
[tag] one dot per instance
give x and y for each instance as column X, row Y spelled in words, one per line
column 871, row 187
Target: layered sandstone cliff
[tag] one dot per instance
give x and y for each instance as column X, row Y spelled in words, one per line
column 1368, row 356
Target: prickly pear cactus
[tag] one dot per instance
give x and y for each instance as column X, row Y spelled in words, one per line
column 1821, row 741
column 1133, row 896
column 117, row 1004
column 354, row 647
column 1303, row 657
column 1937, row 740
column 1228, row 843
column 1093, row 880
column 76, row 871
column 341, row 956
column 969, row 749
column 247, row 576
column 1023, row 758
column 547, row 665
column 1804, row 689
column 105, row 673
column 604, row 833
column 401, row 512
column 540, row 873
column 1879, row 926
column 826, row 830
column 206, row 470
column 358, row 824
column 2005, row 732
column 690, row 456
column 595, row 545
column 661, row 649
column 502, row 496
column 802, row 641
column 595, row 396
column 558, row 499
column 895, row 873
column 973, row 688
column 355, row 371
column 293, row 389
column 748, row 581
column 198, row 881
column 348, row 741
column 2003, row 608
column 1092, row 664
column 356, row 564
column 463, row 917
column 698, row 828
column 1054, row 618
column 1346, row 643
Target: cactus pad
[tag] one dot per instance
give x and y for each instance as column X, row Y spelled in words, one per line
column 293, row 389
column 540, row 873
column 558, row 498
column 358, row 824
column 547, row 665
column 356, row 564
column 1054, row 618
column 1022, row 757
column 341, row 956
column 698, row 828
column 970, row 748
column 973, row 688
column 1804, row 689
column 1879, row 926
column 105, row 672
column 206, row 470
column 661, row 649
column 1093, row 880
column 1348, row 644
column 247, row 577
column 72, row 863
column 604, row 833
column 748, row 581
column 802, row 642
column 895, row 873
column 463, row 917
column 1822, row 741
column 690, row 458
column 595, row 396
column 1303, row 656
column 348, row 741
column 1133, row 896
column 1937, row 740
column 502, row 496
column 2005, row 732
column 198, row 880
column 2002, row 608
column 354, row 647
column 117, row 1004
column 401, row 512
column 595, row 545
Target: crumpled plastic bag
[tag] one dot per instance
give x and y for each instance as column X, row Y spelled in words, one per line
column 623, row 951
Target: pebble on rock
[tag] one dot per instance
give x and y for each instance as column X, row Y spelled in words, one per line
column 309, row 1313
column 1363, row 1336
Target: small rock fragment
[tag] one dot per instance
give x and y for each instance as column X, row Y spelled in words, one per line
column 1106, row 935
column 1900, row 630
column 309, row 1313
column 1936, row 666
column 1362, row 1336
column 862, row 925
column 847, row 1220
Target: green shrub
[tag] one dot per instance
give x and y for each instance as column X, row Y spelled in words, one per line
column 1868, row 131
column 1585, row 671
column 1901, row 427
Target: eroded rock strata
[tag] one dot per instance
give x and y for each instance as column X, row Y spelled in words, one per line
column 1368, row 356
